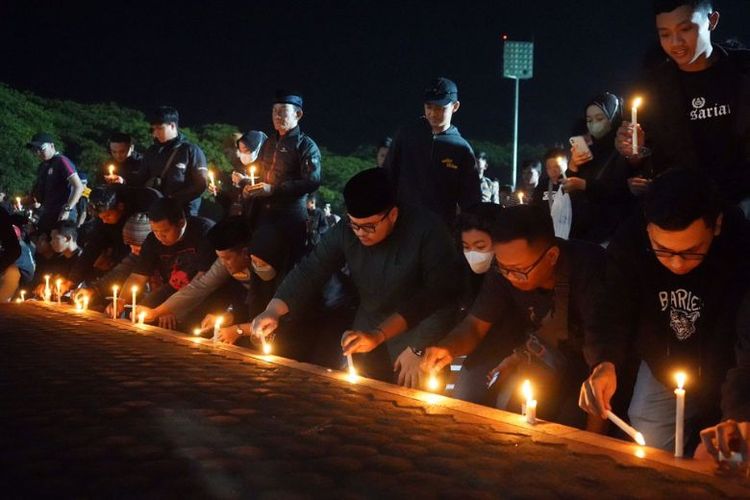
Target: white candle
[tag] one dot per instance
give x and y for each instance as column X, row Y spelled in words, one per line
column 134, row 290
column 352, row 371
column 142, row 319
column 23, row 295
column 531, row 411
column 217, row 327
column 634, row 122
column 47, row 289
column 114, row 302
column 630, row 431
column 58, row 290
column 679, row 420
column 527, row 395
column 252, row 176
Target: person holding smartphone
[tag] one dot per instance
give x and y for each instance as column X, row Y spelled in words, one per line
column 597, row 173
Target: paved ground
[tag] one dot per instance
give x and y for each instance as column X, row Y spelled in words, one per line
column 90, row 409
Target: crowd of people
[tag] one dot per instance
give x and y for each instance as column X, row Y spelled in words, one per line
column 613, row 265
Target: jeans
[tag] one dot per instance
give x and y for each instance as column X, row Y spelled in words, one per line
column 652, row 410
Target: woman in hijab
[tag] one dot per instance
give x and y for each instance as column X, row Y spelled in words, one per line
column 597, row 175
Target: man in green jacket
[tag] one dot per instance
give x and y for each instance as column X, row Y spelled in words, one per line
column 403, row 264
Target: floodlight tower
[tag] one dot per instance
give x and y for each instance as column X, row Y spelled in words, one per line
column 518, row 64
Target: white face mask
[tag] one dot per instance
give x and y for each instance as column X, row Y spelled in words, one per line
column 266, row 273
column 599, row 129
column 479, row 262
column 243, row 275
column 246, row 158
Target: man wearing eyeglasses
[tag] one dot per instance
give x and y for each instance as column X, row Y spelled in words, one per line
column 58, row 187
column 403, row 264
column 531, row 315
column 674, row 281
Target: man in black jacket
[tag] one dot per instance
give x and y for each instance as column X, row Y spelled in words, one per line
column 696, row 110
column 675, row 277
column 430, row 164
column 173, row 165
column 290, row 164
column 127, row 163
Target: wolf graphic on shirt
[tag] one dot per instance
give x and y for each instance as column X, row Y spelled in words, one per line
column 684, row 311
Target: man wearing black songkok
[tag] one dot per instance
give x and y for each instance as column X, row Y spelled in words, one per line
column 403, row 264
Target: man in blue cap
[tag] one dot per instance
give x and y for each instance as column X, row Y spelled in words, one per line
column 430, row 164
column 290, row 170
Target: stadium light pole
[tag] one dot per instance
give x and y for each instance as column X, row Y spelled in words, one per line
column 518, row 64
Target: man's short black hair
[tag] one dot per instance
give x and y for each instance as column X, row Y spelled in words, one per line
column 164, row 114
column 482, row 217
column 103, row 198
column 524, row 222
column 231, row 233
column 166, row 209
column 679, row 197
column 66, row 228
column 664, row 6
column 120, row 138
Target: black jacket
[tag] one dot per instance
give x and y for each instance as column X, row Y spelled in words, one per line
column 666, row 121
column 291, row 164
column 184, row 179
column 434, row 171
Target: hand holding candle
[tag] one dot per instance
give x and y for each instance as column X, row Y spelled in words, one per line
column 679, row 427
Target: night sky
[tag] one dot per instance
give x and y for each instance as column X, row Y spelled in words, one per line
column 360, row 64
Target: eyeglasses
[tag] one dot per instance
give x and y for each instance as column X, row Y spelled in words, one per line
column 367, row 228
column 668, row 254
column 523, row 275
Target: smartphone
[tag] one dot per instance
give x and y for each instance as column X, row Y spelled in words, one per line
column 579, row 144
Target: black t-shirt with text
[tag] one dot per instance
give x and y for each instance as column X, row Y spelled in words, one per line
column 179, row 263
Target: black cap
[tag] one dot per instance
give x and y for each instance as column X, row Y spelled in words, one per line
column 441, row 91
column 39, row 139
column 369, row 193
column 253, row 139
column 288, row 97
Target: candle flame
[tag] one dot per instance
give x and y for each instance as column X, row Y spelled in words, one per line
column 433, row 384
column 640, row 453
column 134, row 288
column 142, row 318
column 352, row 375
column 637, row 102
column 526, row 390
column 197, row 332
column 639, row 439
column 681, row 378
column 111, row 169
column 266, row 348
column 219, row 321
column 520, row 197
column 252, row 170
column 115, row 288
column 85, row 302
column 211, row 176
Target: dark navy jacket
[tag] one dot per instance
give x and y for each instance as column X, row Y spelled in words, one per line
column 434, row 171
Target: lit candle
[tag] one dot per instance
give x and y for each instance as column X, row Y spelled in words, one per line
column 679, row 421
column 47, row 289
column 114, row 302
column 217, row 327
column 630, row 431
column 634, row 122
column 85, row 302
column 79, row 306
column 352, row 376
column 134, row 290
column 529, row 406
column 265, row 345
column 211, row 182
column 561, row 164
column 111, row 169
column 23, row 295
column 433, row 383
column 141, row 319
column 58, row 290
column 18, row 202
column 197, row 332
column 520, row 197
column 252, row 175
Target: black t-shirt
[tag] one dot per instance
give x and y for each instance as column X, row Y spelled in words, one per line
column 52, row 182
column 711, row 103
column 583, row 264
column 177, row 264
column 59, row 264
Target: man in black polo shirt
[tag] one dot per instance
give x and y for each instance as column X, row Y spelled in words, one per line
column 290, row 164
column 58, row 187
column 177, row 249
column 430, row 164
column 541, row 299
